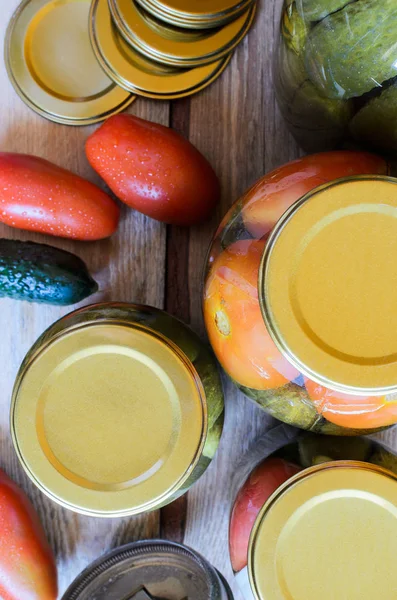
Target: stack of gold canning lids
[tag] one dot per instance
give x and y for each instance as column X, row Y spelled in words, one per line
column 196, row 14
column 155, row 49
column 176, row 46
column 152, row 56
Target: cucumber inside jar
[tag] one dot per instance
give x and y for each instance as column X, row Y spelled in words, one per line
column 339, row 85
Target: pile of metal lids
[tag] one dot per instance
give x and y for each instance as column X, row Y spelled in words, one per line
column 77, row 63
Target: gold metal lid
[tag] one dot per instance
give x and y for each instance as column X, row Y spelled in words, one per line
column 200, row 14
column 171, row 45
column 328, row 285
column 53, row 68
column 138, row 74
column 109, row 420
column 330, row 532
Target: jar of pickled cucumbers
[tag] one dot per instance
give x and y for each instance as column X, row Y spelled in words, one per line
column 117, row 410
column 301, row 289
column 335, row 72
column 314, row 516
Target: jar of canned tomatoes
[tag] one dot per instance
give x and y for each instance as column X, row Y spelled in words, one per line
column 315, row 517
column 301, row 289
column 335, row 72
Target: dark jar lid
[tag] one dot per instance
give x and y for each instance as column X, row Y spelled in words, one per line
column 150, row 570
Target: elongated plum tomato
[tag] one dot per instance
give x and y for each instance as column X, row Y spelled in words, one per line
column 37, row 195
column 270, row 197
column 356, row 412
column 260, row 485
column 154, row 170
column 234, row 320
column 27, row 566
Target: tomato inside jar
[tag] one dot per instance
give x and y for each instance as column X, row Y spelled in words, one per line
column 300, row 293
column 302, row 503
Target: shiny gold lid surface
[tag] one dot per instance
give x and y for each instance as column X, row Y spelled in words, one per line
column 199, row 9
column 328, row 285
column 109, row 420
column 172, row 45
column 52, row 66
column 193, row 20
column 331, row 533
column 137, row 73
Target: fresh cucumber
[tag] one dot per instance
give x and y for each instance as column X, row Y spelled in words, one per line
column 42, row 273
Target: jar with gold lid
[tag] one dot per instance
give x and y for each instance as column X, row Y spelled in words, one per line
column 117, row 410
column 300, row 293
column 150, row 570
column 314, row 516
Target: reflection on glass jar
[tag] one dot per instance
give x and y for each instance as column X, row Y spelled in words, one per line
column 300, row 519
column 150, row 570
column 335, row 72
column 300, row 293
column 117, row 410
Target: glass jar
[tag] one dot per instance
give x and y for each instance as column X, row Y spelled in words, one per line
column 335, row 72
column 150, row 570
column 300, row 293
column 306, row 499
column 117, row 410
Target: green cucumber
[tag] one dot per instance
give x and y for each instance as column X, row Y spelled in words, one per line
column 41, row 273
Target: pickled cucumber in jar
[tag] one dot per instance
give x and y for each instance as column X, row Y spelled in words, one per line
column 335, row 72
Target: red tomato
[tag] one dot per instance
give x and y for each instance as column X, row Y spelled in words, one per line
column 234, row 321
column 270, row 197
column 154, row 170
column 27, row 566
column 356, row 412
column 263, row 481
column 37, row 195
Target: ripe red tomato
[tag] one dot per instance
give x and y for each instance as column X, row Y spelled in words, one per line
column 260, row 485
column 154, row 170
column 37, row 195
column 27, row 566
column 269, row 198
column 355, row 412
column 239, row 337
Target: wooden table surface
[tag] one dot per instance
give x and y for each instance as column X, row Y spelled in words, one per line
column 236, row 124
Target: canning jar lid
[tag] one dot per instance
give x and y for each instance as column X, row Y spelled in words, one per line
column 149, row 570
column 197, row 14
column 172, row 45
column 328, row 285
column 109, row 419
column 53, row 68
column 137, row 73
column 329, row 532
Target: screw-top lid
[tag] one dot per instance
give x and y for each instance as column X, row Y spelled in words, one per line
column 150, row 570
column 196, row 13
column 109, row 419
column 328, row 285
column 330, row 532
column 53, row 68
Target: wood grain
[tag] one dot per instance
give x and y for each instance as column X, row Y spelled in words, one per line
column 236, row 124
column 130, row 267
